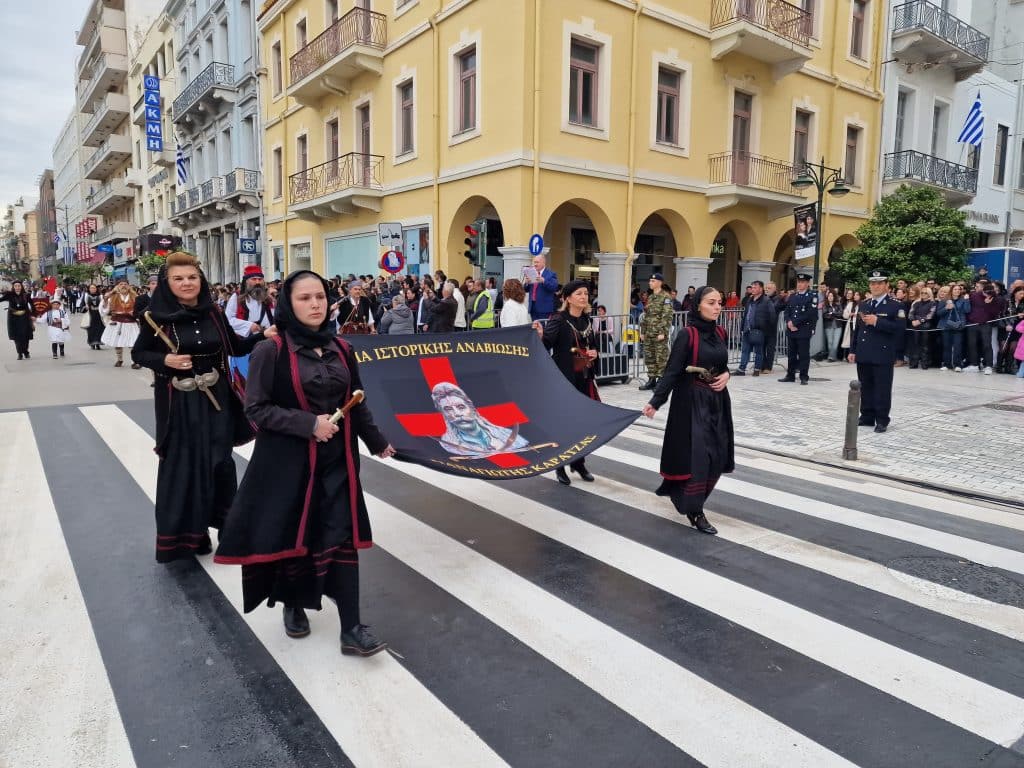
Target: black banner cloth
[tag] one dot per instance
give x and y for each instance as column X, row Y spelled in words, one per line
column 487, row 404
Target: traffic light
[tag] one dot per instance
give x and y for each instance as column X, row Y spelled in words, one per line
column 476, row 242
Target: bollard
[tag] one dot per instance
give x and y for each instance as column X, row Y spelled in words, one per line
column 852, row 417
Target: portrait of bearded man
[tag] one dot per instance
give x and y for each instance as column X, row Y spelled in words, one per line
column 467, row 433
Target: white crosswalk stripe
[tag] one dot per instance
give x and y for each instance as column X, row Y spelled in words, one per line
column 385, row 711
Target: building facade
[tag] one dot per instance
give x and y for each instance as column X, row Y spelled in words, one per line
column 108, row 36
column 633, row 139
column 68, row 190
column 152, row 87
column 28, row 243
column 46, row 224
column 216, row 117
column 14, row 244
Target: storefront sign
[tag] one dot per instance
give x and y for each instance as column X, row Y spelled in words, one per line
column 154, row 124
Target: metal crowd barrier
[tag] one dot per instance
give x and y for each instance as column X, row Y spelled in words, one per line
column 622, row 351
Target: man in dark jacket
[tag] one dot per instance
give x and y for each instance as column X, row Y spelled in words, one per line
column 986, row 306
column 757, row 325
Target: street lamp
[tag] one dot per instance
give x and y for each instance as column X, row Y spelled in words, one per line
column 821, row 177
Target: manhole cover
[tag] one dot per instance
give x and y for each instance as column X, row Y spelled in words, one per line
column 971, row 580
column 1004, row 407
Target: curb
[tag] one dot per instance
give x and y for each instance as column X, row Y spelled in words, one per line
column 953, row 490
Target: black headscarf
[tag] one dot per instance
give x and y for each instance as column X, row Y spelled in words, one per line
column 706, row 328
column 165, row 307
column 287, row 322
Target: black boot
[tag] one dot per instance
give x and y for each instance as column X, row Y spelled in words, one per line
column 562, row 477
column 295, row 622
column 652, row 382
column 700, row 522
column 582, row 471
column 360, row 641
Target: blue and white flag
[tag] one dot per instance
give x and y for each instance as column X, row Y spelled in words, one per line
column 56, row 238
column 974, row 125
column 182, row 163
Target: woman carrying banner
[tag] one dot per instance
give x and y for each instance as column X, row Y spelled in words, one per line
column 569, row 334
column 199, row 417
column 19, row 317
column 300, row 520
column 698, row 446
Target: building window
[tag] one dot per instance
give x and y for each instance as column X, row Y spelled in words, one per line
column 857, row 25
column 939, row 123
column 901, row 120
column 301, row 257
column 467, row 90
column 583, row 73
column 999, row 172
column 278, row 172
column 406, row 124
column 974, row 157
column 808, row 5
column 330, row 12
column 300, row 35
column 669, row 82
column 801, row 138
column 332, row 140
column 276, row 67
column 852, row 148
column 301, row 154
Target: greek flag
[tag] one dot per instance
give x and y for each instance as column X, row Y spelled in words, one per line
column 56, row 238
column 974, row 125
column 182, row 163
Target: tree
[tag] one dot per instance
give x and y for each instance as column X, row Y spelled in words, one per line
column 913, row 235
column 149, row 264
column 78, row 273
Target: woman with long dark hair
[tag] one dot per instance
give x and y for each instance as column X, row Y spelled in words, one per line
column 93, row 300
column 199, row 415
column 698, row 447
column 300, row 519
column 569, row 334
column 20, row 317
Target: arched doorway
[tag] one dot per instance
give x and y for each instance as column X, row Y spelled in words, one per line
column 735, row 242
column 842, row 244
column 575, row 232
column 785, row 263
column 474, row 209
column 662, row 237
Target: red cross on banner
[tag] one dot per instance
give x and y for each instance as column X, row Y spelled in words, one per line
column 439, row 369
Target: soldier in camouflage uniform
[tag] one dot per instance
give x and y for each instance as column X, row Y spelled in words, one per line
column 655, row 329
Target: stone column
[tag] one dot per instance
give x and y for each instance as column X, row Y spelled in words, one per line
column 203, row 255
column 755, row 270
column 692, row 271
column 232, row 269
column 514, row 258
column 611, row 282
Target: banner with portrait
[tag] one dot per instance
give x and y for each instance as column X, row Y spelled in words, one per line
column 806, row 228
column 488, row 404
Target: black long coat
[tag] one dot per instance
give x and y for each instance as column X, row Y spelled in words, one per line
column 19, row 327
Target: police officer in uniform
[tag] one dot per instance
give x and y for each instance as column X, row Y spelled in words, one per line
column 873, row 349
column 801, row 315
column 655, row 329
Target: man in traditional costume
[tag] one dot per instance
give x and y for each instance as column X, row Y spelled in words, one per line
column 122, row 330
column 249, row 311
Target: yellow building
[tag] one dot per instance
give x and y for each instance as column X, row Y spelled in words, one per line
column 632, row 136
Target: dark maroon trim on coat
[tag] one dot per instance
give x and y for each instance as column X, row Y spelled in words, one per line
column 353, row 477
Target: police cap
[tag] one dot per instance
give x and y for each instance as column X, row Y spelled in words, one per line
column 877, row 276
column 803, row 274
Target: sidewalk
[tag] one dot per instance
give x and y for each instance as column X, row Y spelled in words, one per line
column 958, row 431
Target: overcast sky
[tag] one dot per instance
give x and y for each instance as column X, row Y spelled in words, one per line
column 37, row 62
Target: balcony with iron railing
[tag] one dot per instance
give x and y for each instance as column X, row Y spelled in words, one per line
column 351, row 46
column 109, row 35
column 775, row 32
column 344, row 185
column 924, row 33
column 108, row 73
column 241, row 181
column 741, row 177
column 109, row 197
column 108, row 157
column 957, row 183
column 107, row 113
column 214, row 84
column 114, row 232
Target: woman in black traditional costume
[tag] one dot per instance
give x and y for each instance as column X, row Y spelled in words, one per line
column 569, row 334
column 199, row 416
column 698, row 446
column 300, row 519
column 93, row 300
column 20, row 317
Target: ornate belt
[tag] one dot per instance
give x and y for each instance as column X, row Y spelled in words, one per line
column 202, row 382
column 18, row 312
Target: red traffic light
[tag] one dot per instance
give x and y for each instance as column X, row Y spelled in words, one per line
column 471, row 231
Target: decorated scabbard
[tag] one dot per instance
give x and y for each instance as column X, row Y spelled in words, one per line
column 357, row 397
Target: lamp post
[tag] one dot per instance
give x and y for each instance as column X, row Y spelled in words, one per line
column 822, row 177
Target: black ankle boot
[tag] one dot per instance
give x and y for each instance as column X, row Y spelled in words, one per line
column 583, row 473
column 700, row 522
column 360, row 641
column 295, row 622
column 562, row 477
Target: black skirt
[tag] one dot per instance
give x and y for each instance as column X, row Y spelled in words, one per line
column 196, row 479
column 304, row 581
